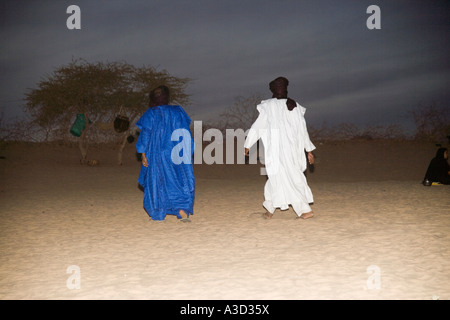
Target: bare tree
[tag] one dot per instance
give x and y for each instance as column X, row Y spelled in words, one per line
column 432, row 122
column 19, row 130
column 242, row 113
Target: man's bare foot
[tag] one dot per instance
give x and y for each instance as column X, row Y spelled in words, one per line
column 184, row 216
column 268, row 215
column 307, row 215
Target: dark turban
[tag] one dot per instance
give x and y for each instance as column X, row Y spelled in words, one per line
column 282, row 82
column 278, row 82
column 159, row 96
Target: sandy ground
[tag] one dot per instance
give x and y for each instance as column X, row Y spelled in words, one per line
column 77, row 232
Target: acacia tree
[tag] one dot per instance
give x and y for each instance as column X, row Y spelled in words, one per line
column 99, row 91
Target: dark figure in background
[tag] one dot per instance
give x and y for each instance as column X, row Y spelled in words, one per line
column 438, row 169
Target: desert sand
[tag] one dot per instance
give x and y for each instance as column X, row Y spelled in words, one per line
column 71, row 231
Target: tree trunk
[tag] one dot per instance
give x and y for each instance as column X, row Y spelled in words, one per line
column 82, row 142
column 124, row 141
column 121, row 147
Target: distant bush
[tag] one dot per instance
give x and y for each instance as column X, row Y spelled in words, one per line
column 432, row 123
column 348, row 131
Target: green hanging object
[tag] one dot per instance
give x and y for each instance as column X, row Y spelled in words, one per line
column 79, row 125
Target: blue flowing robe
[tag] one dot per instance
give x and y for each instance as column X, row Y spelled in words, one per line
column 168, row 181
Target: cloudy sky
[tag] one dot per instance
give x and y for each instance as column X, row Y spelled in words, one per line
column 338, row 69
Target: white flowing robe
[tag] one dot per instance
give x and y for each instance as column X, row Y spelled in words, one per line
column 285, row 138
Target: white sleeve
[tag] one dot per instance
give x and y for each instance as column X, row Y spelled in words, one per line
column 256, row 130
column 309, row 146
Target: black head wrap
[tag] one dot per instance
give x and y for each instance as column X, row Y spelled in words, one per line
column 159, row 96
column 282, row 83
column 440, row 153
column 278, row 82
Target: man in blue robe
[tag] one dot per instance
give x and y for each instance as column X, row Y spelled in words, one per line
column 166, row 145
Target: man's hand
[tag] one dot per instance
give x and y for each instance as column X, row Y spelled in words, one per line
column 246, row 151
column 310, row 158
column 144, row 160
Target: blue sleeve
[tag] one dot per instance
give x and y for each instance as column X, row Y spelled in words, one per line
column 144, row 123
column 186, row 121
column 142, row 141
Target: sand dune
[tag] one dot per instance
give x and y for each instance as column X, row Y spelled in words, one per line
column 377, row 233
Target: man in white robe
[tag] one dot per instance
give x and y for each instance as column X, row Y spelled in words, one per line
column 282, row 128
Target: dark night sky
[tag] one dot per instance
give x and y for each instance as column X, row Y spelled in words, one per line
column 338, row 69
